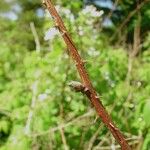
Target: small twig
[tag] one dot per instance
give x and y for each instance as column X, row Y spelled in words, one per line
column 137, row 32
column 65, row 125
column 130, row 65
column 93, row 138
column 5, row 113
column 30, row 115
column 61, row 106
column 63, row 139
column 82, row 142
column 112, row 10
column 35, row 35
column 102, row 141
column 117, row 147
column 50, row 137
column 113, row 143
column 127, row 19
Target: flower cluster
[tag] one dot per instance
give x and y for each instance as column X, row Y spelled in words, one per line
column 50, row 34
column 90, row 9
column 66, row 12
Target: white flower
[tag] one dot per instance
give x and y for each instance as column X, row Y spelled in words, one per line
column 93, row 52
column 42, row 97
column 67, row 11
column 50, row 34
column 68, row 14
column 92, row 11
column 81, row 32
column 58, row 8
column 47, row 14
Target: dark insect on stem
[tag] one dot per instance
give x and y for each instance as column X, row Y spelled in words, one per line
column 76, row 86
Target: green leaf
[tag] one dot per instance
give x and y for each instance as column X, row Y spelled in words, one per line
column 146, row 113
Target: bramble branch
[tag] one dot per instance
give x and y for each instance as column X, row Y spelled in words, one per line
column 85, row 78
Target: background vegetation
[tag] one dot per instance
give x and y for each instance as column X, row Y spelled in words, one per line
column 37, row 108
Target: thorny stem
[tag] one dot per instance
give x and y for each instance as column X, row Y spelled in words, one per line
column 35, row 35
column 85, row 78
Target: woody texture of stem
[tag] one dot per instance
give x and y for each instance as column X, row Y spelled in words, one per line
column 92, row 95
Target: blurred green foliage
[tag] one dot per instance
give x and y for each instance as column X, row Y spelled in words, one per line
column 35, row 100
